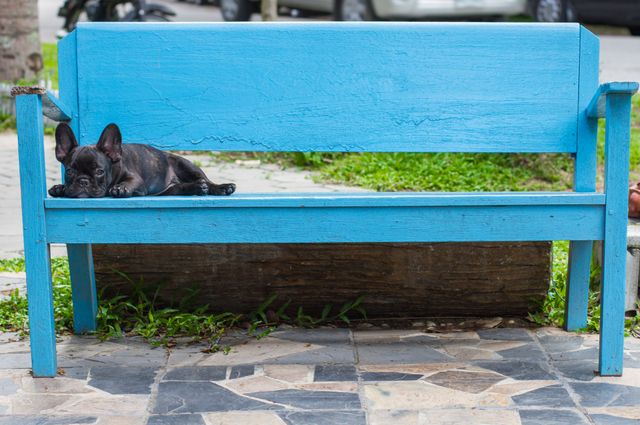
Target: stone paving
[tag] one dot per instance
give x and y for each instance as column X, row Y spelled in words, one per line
column 326, row 376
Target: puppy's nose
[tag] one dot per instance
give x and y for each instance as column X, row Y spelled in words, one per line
column 83, row 181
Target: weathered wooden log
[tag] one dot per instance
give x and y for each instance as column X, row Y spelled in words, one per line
column 396, row 280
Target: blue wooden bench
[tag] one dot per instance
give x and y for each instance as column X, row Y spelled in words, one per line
column 337, row 88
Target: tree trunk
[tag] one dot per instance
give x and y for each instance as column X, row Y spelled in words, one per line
column 269, row 10
column 20, row 54
column 396, row 279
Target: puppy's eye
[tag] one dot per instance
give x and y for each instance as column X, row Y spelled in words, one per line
column 70, row 172
column 99, row 172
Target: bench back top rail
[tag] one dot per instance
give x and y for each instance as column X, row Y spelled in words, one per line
column 335, row 87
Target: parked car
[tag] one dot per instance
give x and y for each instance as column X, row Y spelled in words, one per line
column 624, row 13
column 367, row 10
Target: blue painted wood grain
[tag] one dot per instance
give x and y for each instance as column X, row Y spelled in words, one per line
column 597, row 107
column 80, row 258
column 83, row 285
column 53, row 108
column 414, row 87
column 612, row 296
column 585, row 167
column 337, row 200
column 68, row 77
column 577, row 294
column 325, row 225
column 36, row 250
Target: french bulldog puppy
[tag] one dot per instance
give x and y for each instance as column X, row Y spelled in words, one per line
column 110, row 168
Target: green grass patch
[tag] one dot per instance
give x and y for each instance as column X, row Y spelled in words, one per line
column 448, row 172
column 7, row 122
column 138, row 314
column 50, row 59
column 552, row 310
column 13, row 265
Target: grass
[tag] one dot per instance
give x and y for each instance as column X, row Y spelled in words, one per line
column 138, row 315
column 551, row 311
column 50, row 59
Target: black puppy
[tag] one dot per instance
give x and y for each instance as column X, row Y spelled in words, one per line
column 110, row 168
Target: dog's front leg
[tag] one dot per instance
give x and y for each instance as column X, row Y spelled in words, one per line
column 131, row 185
column 57, row 191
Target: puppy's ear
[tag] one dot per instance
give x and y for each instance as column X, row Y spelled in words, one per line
column 65, row 141
column 110, row 142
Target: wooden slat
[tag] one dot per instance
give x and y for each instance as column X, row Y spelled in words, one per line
column 584, row 181
column 616, row 177
column 325, row 225
column 337, row 200
column 53, row 108
column 597, row 107
column 414, row 87
column 42, row 332
column 68, row 77
column 83, row 285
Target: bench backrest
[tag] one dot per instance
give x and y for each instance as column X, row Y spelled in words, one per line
column 412, row 87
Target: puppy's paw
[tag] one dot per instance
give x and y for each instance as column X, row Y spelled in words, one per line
column 223, row 189
column 57, row 191
column 120, row 191
column 201, row 187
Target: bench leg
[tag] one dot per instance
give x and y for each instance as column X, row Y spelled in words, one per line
column 578, row 285
column 83, row 286
column 42, row 331
column 614, row 255
column 612, row 307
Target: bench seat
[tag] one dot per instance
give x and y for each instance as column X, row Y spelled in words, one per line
column 337, row 200
column 329, row 217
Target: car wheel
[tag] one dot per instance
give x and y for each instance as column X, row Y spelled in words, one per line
column 354, row 10
column 634, row 30
column 236, row 10
column 553, row 11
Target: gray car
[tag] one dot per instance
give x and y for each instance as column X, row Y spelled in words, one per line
column 367, row 10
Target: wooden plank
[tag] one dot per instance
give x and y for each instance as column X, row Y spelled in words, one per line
column 42, row 332
column 397, row 280
column 337, row 200
column 80, row 259
column 413, row 87
column 54, row 109
column 325, row 225
column 585, row 167
column 597, row 107
column 616, row 177
column 68, row 78
column 83, row 285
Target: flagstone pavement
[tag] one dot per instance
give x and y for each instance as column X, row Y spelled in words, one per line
column 326, row 376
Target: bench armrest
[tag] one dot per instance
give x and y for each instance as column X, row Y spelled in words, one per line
column 52, row 107
column 597, row 106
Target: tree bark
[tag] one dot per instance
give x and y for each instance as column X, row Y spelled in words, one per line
column 20, row 54
column 269, row 10
column 396, row 280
